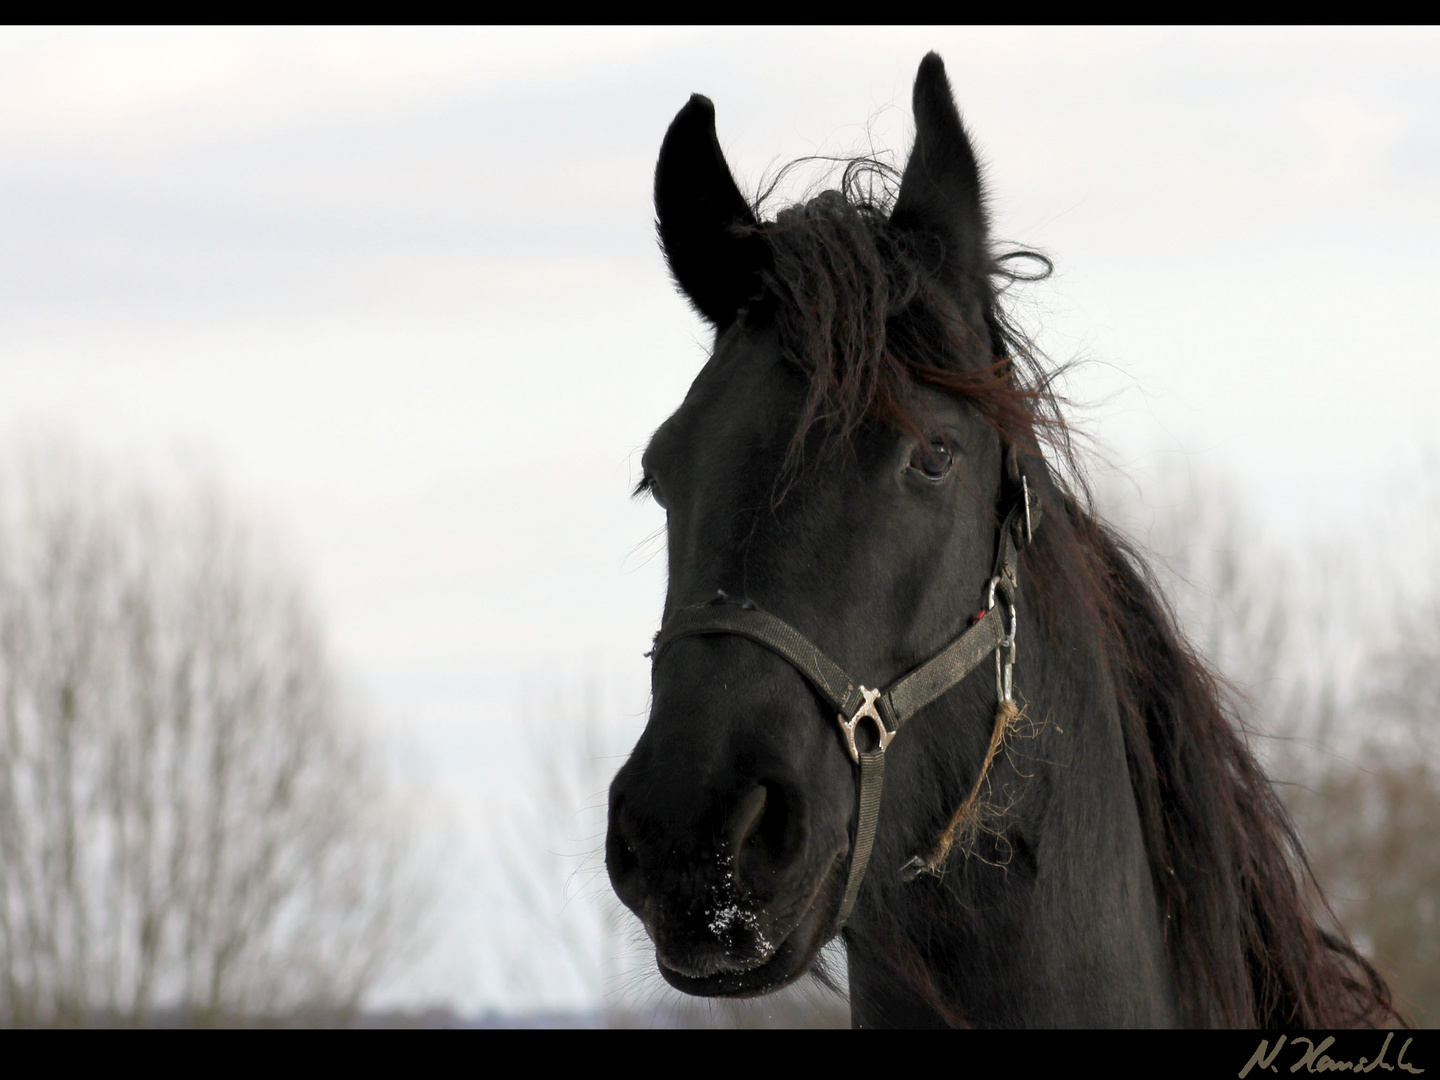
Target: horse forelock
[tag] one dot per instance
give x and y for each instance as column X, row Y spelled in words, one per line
column 861, row 313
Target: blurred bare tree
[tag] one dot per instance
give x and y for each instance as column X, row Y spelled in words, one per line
column 190, row 826
column 1236, row 600
column 1374, row 828
column 1339, row 684
column 552, row 846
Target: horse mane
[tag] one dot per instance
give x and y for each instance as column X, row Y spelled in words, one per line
column 862, row 315
column 1229, row 868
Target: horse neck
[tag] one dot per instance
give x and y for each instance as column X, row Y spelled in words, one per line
column 1066, row 930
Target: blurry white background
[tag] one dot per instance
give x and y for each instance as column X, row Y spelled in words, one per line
column 399, row 290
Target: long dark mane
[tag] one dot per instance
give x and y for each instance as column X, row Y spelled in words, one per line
column 860, row 312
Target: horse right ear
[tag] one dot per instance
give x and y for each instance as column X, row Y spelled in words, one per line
column 703, row 219
column 941, row 201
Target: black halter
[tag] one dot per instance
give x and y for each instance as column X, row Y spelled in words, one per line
column 886, row 709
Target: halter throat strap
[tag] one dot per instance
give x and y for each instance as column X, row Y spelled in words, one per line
column 887, row 709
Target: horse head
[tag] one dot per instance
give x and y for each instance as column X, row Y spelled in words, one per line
column 852, row 485
column 866, row 521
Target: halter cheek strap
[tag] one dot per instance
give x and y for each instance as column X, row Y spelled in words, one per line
column 886, row 710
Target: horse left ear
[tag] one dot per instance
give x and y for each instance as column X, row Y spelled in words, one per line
column 705, row 224
column 941, row 201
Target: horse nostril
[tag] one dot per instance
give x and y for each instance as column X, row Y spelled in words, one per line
column 748, row 815
column 764, row 832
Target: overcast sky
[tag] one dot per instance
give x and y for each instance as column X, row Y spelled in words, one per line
column 399, row 290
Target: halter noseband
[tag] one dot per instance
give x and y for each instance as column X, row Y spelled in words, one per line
column 887, row 710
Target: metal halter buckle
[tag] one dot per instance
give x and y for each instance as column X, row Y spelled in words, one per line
column 866, row 710
column 1005, row 665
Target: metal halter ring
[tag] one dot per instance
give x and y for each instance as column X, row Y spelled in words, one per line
column 866, row 710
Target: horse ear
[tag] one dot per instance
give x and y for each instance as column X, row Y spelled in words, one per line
column 701, row 217
column 941, row 201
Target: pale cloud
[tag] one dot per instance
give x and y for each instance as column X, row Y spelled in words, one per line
column 76, row 86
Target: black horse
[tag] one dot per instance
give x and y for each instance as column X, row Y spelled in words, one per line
column 858, row 468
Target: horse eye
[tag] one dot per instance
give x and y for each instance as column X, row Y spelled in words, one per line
column 649, row 486
column 934, row 459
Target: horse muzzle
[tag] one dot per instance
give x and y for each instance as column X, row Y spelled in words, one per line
column 743, row 912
